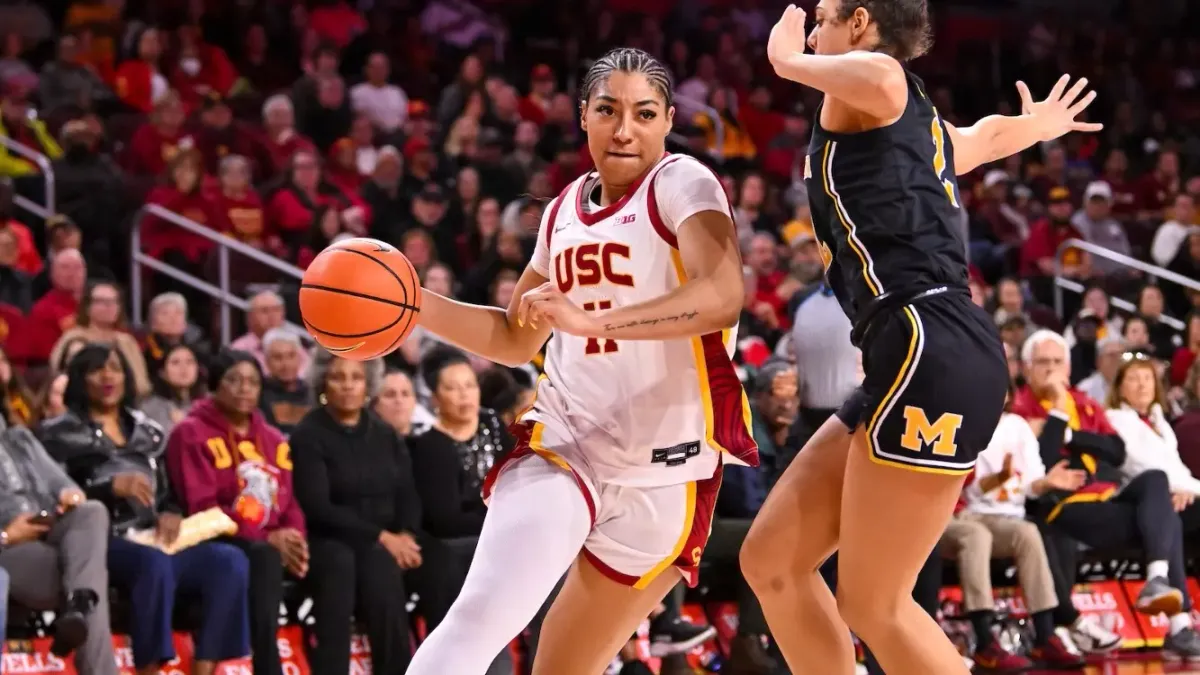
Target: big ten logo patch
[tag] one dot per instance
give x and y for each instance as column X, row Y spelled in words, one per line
column 589, row 264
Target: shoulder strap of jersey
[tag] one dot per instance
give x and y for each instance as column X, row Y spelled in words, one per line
column 554, row 207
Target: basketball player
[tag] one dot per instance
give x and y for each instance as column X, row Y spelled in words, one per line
column 879, row 480
column 638, row 278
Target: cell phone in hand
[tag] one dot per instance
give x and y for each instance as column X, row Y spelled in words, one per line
column 43, row 518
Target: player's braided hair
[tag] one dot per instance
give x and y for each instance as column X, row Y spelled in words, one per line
column 904, row 30
column 628, row 60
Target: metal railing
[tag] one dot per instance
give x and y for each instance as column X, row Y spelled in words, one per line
column 1062, row 283
column 43, row 163
column 220, row 292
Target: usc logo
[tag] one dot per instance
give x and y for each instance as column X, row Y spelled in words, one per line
column 589, row 264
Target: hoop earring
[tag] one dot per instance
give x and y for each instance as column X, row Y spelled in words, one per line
column 322, row 399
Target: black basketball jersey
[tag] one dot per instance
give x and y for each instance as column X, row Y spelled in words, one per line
column 885, row 205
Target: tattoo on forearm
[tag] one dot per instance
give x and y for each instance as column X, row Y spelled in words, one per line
column 685, row 316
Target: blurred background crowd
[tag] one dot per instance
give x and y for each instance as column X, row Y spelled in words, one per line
column 444, row 127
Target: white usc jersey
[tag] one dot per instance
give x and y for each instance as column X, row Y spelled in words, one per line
column 642, row 412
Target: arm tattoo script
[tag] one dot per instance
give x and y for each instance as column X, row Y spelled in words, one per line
column 686, row 316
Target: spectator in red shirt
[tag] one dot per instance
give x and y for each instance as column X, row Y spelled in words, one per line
column 785, row 153
column 541, row 91
column 1158, row 188
column 1046, row 235
column 341, row 169
column 337, row 22
column 182, row 194
column 309, row 211
column 762, row 123
column 280, row 138
column 1116, row 174
column 219, row 136
column 156, row 142
column 1186, row 355
column 202, row 69
column 139, row 83
column 54, row 313
column 762, row 257
column 244, row 218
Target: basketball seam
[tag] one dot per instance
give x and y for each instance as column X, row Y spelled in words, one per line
column 364, row 296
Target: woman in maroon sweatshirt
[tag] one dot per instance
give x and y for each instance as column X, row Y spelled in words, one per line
column 223, row 454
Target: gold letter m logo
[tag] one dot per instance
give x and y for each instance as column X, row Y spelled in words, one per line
column 940, row 435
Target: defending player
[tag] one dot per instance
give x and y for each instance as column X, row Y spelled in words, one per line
column 617, row 466
column 878, row 481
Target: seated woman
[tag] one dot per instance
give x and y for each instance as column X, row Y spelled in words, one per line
column 223, row 454
column 1103, row 513
column 114, row 452
column 1136, row 410
column 101, row 319
column 354, row 482
column 991, row 523
column 451, row 460
column 176, row 385
column 396, row 403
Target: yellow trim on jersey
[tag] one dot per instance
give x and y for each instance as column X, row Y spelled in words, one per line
column 868, row 265
column 910, row 362
column 537, row 387
column 702, row 370
column 688, row 520
column 535, row 444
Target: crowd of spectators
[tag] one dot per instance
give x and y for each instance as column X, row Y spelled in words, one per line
column 444, row 127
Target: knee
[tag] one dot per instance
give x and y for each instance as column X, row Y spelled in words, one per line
column 760, row 556
column 973, row 539
column 91, row 515
column 866, row 610
column 1027, row 540
column 1154, row 482
column 229, row 564
column 264, row 560
column 155, row 569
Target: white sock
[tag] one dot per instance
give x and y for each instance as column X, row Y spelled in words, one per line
column 1157, row 568
column 1179, row 622
column 536, row 524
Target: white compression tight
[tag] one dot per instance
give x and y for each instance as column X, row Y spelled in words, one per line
column 536, row 525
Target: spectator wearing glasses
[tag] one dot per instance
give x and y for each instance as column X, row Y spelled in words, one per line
column 223, row 454
column 101, row 319
column 1102, row 513
column 115, row 453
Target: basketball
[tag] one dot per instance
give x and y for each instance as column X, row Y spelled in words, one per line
column 360, row 298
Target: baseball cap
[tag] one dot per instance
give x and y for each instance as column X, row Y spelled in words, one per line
column 995, row 177
column 432, row 192
column 542, row 72
column 1098, row 189
column 415, row 145
column 1059, row 193
column 418, row 109
column 212, row 100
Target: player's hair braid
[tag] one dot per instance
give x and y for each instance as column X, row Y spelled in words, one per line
column 628, row 60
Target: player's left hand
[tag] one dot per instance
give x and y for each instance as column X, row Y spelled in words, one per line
column 1056, row 115
column 547, row 305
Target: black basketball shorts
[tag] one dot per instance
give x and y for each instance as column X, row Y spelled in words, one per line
column 936, row 379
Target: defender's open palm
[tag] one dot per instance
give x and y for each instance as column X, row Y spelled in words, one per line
column 1056, row 115
column 788, row 36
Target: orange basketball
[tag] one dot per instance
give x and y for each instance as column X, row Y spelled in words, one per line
column 360, row 298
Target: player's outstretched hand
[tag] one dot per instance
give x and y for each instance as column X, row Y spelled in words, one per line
column 547, row 305
column 1056, row 115
column 788, row 36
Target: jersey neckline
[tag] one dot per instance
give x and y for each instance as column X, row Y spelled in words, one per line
column 599, row 215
